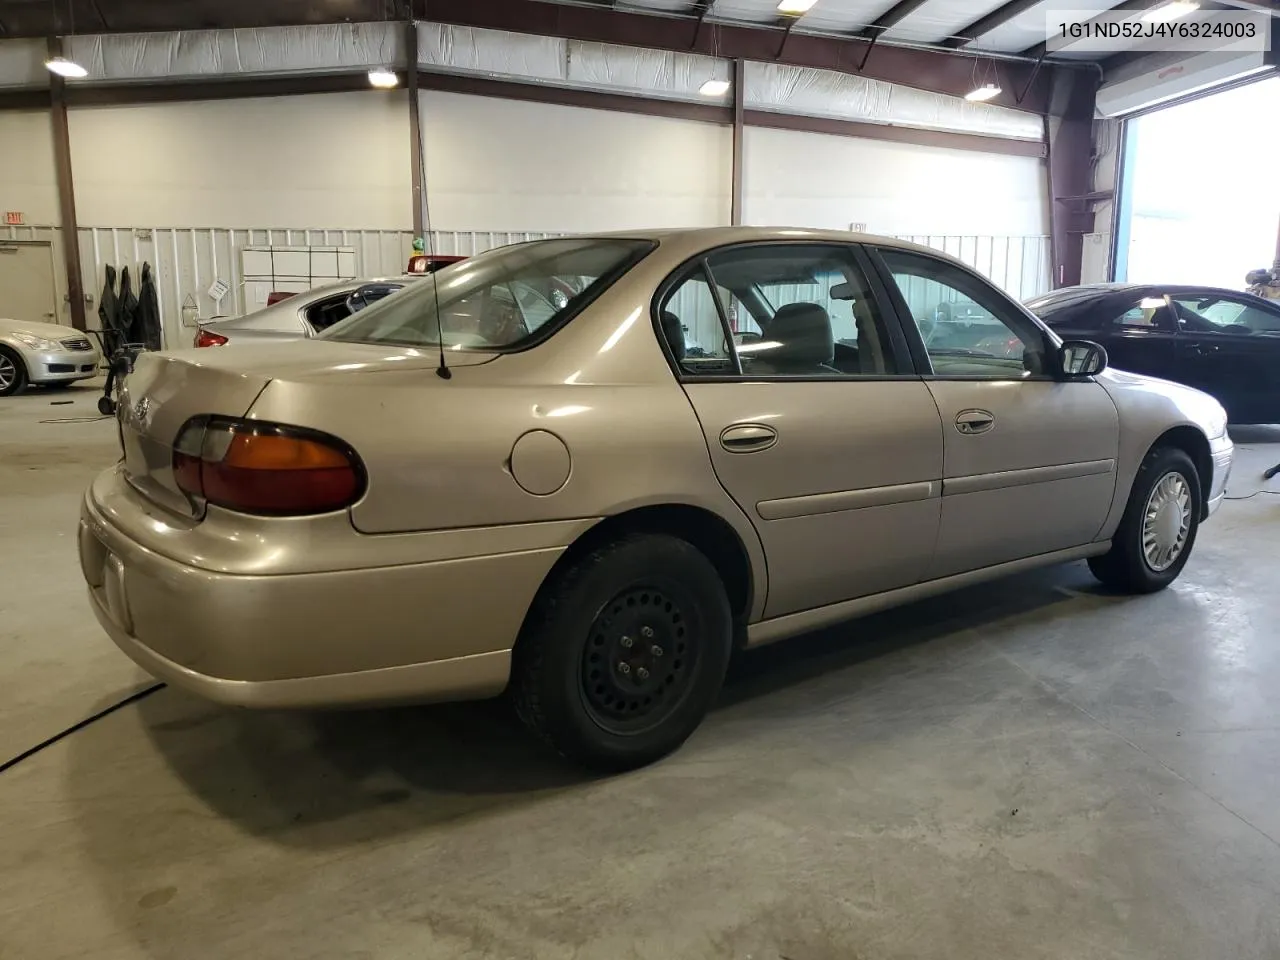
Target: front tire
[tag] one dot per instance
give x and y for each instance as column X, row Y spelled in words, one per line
column 1159, row 526
column 624, row 652
column 13, row 373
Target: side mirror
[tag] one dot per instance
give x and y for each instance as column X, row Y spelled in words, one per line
column 1081, row 358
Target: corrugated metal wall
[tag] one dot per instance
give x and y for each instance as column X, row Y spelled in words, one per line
column 188, row 261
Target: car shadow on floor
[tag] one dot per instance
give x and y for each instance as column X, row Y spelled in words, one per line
column 321, row 779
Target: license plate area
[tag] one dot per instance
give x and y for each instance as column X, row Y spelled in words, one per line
column 104, row 572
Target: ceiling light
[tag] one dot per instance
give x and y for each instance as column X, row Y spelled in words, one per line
column 714, row 88
column 794, row 8
column 66, row 68
column 1170, row 11
column 984, row 92
column 383, row 78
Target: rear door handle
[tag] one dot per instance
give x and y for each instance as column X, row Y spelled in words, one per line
column 748, row 437
column 972, row 422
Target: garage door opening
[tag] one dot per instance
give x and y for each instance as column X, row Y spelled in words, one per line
column 1199, row 203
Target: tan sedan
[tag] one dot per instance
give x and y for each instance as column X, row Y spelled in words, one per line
column 717, row 439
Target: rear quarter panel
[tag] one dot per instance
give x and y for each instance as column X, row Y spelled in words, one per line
column 439, row 451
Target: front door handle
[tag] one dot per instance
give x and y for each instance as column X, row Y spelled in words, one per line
column 748, row 437
column 1202, row 349
column 972, row 422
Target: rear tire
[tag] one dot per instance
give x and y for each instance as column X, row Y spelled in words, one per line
column 624, row 652
column 13, row 373
column 1159, row 526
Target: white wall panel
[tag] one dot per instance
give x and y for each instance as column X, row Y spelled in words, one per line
column 820, row 180
column 28, row 180
column 22, row 63
column 507, row 165
column 338, row 160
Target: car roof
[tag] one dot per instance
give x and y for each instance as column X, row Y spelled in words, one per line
column 717, row 236
column 692, row 241
column 1106, row 289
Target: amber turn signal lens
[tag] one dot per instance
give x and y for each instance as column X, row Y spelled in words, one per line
column 257, row 451
column 266, row 468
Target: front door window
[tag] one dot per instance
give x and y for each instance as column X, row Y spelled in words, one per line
column 967, row 328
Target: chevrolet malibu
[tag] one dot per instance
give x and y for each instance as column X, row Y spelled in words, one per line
column 473, row 487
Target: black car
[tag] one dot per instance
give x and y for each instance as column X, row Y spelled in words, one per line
column 1223, row 342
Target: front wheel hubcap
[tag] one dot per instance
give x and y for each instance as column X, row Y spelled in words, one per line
column 628, row 687
column 1166, row 522
column 8, row 373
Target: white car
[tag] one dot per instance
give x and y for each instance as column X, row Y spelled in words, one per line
column 43, row 353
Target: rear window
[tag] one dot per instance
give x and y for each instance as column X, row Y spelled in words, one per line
column 506, row 299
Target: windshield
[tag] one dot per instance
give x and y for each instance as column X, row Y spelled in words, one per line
column 501, row 300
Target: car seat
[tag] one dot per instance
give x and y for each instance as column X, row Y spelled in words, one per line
column 805, row 344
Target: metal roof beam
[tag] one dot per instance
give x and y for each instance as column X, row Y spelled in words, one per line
column 891, row 17
column 984, row 25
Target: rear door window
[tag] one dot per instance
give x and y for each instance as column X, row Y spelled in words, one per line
column 1148, row 315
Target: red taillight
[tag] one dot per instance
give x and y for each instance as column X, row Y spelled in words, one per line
column 207, row 338
column 266, row 468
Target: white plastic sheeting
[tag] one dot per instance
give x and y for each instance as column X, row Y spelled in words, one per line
column 522, row 58
column 262, row 51
column 826, row 93
column 568, row 63
column 22, row 63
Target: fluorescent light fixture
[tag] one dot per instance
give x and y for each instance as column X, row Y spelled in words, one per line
column 984, row 92
column 66, row 68
column 1170, row 11
column 794, row 8
column 714, row 88
column 383, row 78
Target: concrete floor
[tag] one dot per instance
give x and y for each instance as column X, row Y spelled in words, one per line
column 1031, row 769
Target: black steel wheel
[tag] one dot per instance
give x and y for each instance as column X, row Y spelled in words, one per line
column 638, row 662
column 624, row 652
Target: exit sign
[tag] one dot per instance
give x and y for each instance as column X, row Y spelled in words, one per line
column 13, row 218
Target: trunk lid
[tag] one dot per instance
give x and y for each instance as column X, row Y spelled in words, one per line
column 165, row 390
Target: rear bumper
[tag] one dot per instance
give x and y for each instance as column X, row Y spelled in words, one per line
column 1222, row 451
column 62, row 366
column 439, row 630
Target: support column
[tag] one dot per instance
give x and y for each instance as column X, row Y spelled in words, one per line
column 739, row 96
column 1070, row 141
column 66, row 190
column 415, row 124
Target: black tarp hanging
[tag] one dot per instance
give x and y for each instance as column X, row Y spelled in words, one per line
column 147, row 322
column 128, row 309
column 109, row 305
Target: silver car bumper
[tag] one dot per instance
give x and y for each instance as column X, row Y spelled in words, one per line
column 61, row 366
column 1222, row 451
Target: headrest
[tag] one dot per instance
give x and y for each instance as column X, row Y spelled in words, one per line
column 674, row 332
column 803, row 331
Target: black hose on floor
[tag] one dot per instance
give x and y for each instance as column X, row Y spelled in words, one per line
column 132, row 698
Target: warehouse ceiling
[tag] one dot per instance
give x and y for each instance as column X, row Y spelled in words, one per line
column 993, row 27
